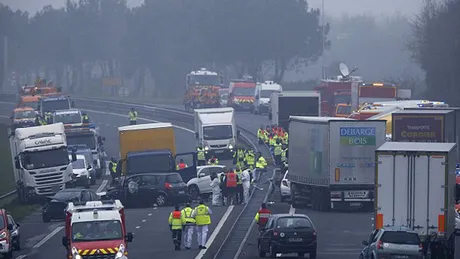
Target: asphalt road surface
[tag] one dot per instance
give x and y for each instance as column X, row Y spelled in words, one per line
column 339, row 233
column 149, row 225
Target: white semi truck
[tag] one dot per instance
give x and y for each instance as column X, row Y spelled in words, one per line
column 215, row 130
column 332, row 160
column 40, row 160
column 416, row 189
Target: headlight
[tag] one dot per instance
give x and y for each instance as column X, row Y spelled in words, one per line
column 206, row 148
column 230, row 146
column 2, row 235
column 121, row 252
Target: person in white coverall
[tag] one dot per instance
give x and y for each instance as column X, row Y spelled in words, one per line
column 246, row 178
column 216, row 192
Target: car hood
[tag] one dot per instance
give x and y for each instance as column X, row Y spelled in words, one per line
column 80, row 171
column 90, row 245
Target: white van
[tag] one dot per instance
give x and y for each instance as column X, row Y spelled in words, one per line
column 262, row 96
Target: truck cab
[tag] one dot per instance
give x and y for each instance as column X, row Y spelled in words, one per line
column 23, row 117
column 41, row 163
column 49, row 104
column 215, row 131
column 30, row 101
column 343, row 110
column 97, row 229
column 241, row 94
column 262, row 95
column 151, row 148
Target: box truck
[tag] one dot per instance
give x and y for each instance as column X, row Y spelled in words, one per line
column 215, row 131
column 151, row 148
column 415, row 188
column 293, row 103
column 40, row 160
column 331, row 161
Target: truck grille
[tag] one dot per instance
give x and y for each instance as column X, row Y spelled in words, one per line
column 49, row 183
column 218, row 146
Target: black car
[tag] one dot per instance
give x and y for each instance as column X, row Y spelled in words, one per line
column 56, row 205
column 285, row 234
column 149, row 188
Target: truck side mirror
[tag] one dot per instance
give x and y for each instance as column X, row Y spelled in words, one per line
column 65, row 241
column 74, row 157
column 196, row 135
column 129, row 237
column 17, row 164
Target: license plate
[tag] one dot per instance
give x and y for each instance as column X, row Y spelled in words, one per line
column 356, row 194
column 55, row 188
column 355, row 204
column 219, row 151
column 295, row 239
column 181, row 192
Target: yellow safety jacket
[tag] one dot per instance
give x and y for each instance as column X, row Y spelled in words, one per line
column 202, row 215
column 84, row 118
column 240, row 154
column 277, row 149
column 216, row 161
column 250, row 159
column 133, row 116
column 272, row 141
column 114, row 167
column 187, row 212
column 261, row 162
column 200, row 154
column 239, row 173
column 284, row 154
column 260, row 134
column 176, row 220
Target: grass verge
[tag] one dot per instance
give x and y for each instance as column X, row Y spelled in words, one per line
column 11, row 204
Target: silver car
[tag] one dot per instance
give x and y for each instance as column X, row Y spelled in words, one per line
column 392, row 242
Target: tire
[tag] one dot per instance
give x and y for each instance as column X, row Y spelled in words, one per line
column 17, row 245
column 193, row 192
column 46, row 218
column 261, row 253
column 312, row 255
column 161, row 200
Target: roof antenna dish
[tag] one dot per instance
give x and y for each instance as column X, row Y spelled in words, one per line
column 344, row 71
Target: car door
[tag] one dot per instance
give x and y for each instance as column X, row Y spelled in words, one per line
column 371, row 243
column 190, row 171
column 204, row 180
column 266, row 234
column 149, row 188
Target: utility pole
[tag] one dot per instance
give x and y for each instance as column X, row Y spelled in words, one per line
column 5, row 61
column 323, row 71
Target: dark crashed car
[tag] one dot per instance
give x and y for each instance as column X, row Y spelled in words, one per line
column 56, row 205
column 286, row 234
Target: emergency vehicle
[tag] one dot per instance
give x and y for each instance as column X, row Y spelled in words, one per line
column 23, row 117
column 241, row 93
column 29, row 101
column 202, row 89
column 96, row 229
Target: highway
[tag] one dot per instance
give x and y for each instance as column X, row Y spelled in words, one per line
column 339, row 233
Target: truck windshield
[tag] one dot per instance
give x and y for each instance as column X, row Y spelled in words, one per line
column 87, row 140
column 78, row 164
column 67, row 118
column 244, row 91
column 159, row 163
column 96, row 231
column 217, row 132
column 45, row 158
column 344, row 110
column 54, row 105
column 342, row 99
column 204, row 80
column 266, row 93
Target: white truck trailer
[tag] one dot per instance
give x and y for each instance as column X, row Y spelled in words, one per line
column 40, row 160
column 215, row 130
column 332, row 160
column 416, row 189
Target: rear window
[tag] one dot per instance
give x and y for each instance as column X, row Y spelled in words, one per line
column 293, row 222
column 400, row 237
column 174, row 178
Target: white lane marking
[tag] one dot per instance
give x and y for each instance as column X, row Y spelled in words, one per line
column 291, row 210
column 102, row 186
column 21, row 257
column 150, row 214
column 50, row 235
column 138, row 227
column 144, row 220
column 140, row 118
column 6, row 117
column 216, row 231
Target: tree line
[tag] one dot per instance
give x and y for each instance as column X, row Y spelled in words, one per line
column 164, row 38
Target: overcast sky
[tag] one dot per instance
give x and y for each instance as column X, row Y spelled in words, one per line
column 332, row 7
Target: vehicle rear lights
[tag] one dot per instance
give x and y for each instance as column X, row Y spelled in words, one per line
column 168, row 186
column 380, row 245
column 420, row 247
column 275, row 234
column 314, row 235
